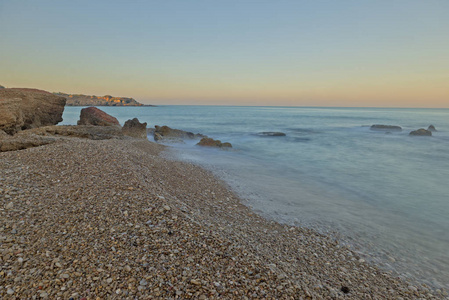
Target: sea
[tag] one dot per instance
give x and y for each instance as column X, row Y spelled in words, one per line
column 383, row 194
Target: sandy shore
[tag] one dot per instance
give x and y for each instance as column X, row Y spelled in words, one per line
column 114, row 220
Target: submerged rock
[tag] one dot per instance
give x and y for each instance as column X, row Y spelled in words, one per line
column 432, row 128
column 22, row 109
column 421, row 132
column 208, row 142
column 135, row 129
column 94, row 116
column 270, row 133
column 380, row 127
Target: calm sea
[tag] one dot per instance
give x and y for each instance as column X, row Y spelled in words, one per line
column 385, row 195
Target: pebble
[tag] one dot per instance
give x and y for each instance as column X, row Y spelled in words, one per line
column 10, row 205
column 10, row 291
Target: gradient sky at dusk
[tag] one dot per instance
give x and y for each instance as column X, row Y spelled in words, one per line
column 305, row 53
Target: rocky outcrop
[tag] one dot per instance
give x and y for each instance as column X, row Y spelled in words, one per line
column 49, row 134
column 432, row 128
column 421, row 132
column 22, row 109
column 208, row 142
column 380, row 127
column 135, row 129
column 107, row 100
column 165, row 133
column 23, row 140
column 2, row 87
column 271, row 133
column 97, row 117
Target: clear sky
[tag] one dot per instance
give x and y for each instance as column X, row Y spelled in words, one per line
column 306, row 53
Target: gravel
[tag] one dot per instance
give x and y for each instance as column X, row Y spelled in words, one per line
column 114, row 220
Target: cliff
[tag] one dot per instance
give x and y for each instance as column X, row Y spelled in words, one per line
column 86, row 100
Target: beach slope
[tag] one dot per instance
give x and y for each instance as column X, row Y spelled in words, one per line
column 113, row 219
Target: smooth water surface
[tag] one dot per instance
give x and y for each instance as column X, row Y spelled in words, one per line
column 387, row 195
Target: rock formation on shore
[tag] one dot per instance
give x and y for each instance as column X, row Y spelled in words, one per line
column 208, row 142
column 135, row 129
column 97, row 117
column 29, row 108
column 421, row 132
column 165, row 133
column 87, row 100
column 380, row 127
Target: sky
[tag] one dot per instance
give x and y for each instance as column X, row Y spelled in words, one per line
column 299, row 53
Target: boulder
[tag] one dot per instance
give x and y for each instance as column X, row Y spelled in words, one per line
column 421, row 132
column 208, row 142
column 379, row 127
column 270, row 133
column 162, row 133
column 432, row 128
column 22, row 109
column 97, row 117
column 135, row 129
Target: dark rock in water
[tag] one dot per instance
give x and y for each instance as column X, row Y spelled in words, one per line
column 269, row 133
column 208, row 142
column 386, row 127
column 135, row 129
column 421, row 132
column 163, row 133
column 22, row 109
column 431, row 128
column 97, row 117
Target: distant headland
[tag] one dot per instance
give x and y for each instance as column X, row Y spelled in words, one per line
column 88, row 100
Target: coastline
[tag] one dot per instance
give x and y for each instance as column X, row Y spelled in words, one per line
column 114, row 219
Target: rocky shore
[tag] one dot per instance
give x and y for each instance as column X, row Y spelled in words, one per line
column 112, row 219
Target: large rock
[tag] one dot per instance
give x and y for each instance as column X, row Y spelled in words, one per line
column 162, row 133
column 208, row 142
column 421, row 132
column 97, row 117
column 135, row 129
column 29, row 108
column 380, row 127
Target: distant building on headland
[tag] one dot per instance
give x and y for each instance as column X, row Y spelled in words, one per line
column 87, row 100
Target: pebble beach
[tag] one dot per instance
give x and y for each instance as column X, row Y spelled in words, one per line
column 115, row 219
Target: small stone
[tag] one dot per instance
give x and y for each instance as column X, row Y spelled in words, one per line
column 20, row 260
column 166, row 207
column 43, row 295
column 65, row 276
column 345, row 289
column 109, row 280
column 118, row 291
column 14, row 231
column 127, row 268
column 9, row 205
column 195, row 282
column 10, row 291
column 143, row 282
column 84, row 258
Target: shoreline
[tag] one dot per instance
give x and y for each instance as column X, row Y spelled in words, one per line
column 130, row 223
